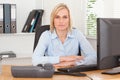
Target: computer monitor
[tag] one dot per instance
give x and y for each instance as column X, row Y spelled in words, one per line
column 108, row 42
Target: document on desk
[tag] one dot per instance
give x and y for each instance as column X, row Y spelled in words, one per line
column 112, row 71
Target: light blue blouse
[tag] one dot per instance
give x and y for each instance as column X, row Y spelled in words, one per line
column 50, row 45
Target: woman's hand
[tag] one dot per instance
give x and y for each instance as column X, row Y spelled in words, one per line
column 70, row 58
column 64, row 64
column 67, row 61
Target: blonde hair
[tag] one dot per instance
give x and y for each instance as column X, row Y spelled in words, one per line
column 55, row 11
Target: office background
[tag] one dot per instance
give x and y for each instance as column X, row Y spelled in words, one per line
column 22, row 43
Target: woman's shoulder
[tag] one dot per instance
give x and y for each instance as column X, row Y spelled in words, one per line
column 46, row 33
column 76, row 30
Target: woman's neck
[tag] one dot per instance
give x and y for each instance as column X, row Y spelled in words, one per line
column 62, row 35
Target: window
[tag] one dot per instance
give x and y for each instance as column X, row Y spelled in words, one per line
column 94, row 9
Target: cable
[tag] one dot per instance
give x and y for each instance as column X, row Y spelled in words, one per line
column 89, row 77
column 73, row 74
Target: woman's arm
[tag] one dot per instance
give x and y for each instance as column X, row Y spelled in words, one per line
column 70, row 58
column 90, row 56
column 39, row 52
column 68, row 61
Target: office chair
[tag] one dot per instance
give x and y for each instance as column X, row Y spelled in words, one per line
column 38, row 33
column 39, row 30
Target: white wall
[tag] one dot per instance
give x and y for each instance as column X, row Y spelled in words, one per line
column 20, row 44
column 108, row 10
column 116, row 8
column 112, row 9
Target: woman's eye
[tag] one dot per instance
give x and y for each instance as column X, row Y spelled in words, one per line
column 57, row 17
column 65, row 17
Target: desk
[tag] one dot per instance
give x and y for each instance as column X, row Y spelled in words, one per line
column 96, row 75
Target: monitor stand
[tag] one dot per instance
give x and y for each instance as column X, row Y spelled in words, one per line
column 112, row 71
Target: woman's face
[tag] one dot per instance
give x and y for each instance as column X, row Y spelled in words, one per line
column 61, row 20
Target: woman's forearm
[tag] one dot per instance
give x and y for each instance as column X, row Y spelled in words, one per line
column 70, row 58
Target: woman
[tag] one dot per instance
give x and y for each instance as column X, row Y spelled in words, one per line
column 61, row 43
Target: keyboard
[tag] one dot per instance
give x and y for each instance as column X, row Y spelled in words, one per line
column 79, row 68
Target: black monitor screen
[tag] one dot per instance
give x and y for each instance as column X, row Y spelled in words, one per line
column 108, row 42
